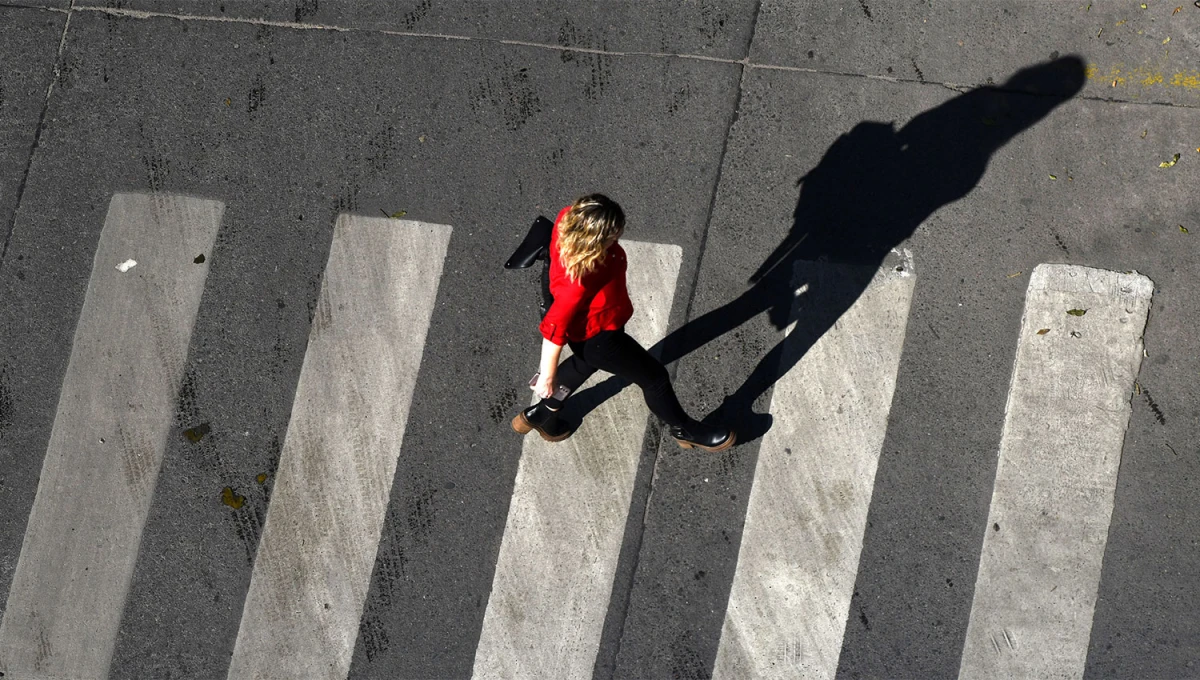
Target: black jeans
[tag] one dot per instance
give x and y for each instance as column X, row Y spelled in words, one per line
column 621, row 355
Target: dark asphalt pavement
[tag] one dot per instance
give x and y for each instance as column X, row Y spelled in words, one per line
column 700, row 118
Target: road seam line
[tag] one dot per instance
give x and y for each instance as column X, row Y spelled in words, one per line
column 745, row 62
column 37, row 137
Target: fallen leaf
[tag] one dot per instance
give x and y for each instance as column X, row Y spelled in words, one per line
column 1053, row 177
column 1144, row 133
column 421, row 139
column 1089, row 7
column 1099, row 32
column 1014, row 275
column 1167, row 164
column 261, row 478
column 228, row 497
column 1143, row 5
column 1183, row 229
column 1044, row 331
column 398, row 214
column 228, row 101
column 1167, row 40
column 1122, row 21
column 1076, row 312
column 1177, row 10
column 195, row 434
column 199, row 259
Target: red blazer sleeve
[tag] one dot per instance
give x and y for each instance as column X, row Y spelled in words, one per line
column 569, row 301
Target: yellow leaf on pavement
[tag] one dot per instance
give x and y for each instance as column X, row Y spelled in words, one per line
column 228, row 497
column 1167, row 164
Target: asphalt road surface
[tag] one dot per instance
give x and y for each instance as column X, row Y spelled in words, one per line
column 936, row 260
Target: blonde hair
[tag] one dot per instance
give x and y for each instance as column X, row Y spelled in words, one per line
column 591, row 225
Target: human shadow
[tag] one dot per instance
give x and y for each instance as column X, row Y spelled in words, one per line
column 874, row 186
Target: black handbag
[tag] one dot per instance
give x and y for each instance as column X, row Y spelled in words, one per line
column 535, row 246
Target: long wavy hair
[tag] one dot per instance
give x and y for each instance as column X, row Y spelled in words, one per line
column 592, row 224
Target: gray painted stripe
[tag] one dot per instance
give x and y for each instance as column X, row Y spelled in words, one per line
column 1064, row 424
column 301, row 614
column 567, row 515
column 109, row 435
column 807, row 509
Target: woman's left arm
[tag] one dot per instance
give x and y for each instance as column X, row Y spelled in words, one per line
column 547, row 381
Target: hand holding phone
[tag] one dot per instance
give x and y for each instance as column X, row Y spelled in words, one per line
column 560, row 393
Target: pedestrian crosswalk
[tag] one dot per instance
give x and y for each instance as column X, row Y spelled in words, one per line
column 1067, row 411
column 1068, row 407
column 110, row 430
column 314, row 560
column 559, row 552
column 808, row 507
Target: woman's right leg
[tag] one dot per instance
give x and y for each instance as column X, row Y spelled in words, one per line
column 621, row 355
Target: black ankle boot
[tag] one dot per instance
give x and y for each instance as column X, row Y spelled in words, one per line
column 707, row 437
column 546, row 422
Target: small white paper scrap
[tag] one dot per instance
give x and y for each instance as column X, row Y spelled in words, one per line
column 126, row 266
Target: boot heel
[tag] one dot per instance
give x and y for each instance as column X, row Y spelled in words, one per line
column 520, row 424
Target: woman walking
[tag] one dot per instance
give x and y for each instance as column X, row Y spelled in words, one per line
column 590, row 309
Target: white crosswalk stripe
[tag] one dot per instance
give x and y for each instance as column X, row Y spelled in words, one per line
column 1064, row 424
column 1068, row 407
column 807, row 510
column 569, row 507
column 108, row 438
column 309, row 584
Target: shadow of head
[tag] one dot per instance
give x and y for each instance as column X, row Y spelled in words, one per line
column 1063, row 77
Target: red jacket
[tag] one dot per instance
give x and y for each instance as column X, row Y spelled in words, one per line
column 597, row 302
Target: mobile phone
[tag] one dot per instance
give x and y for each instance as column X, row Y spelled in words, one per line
column 561, row 393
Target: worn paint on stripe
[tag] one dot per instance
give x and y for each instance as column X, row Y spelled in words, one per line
column 567, row 516
column 1064, row 424
column 313, row 566
column 108, row 438
column 807, row 509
